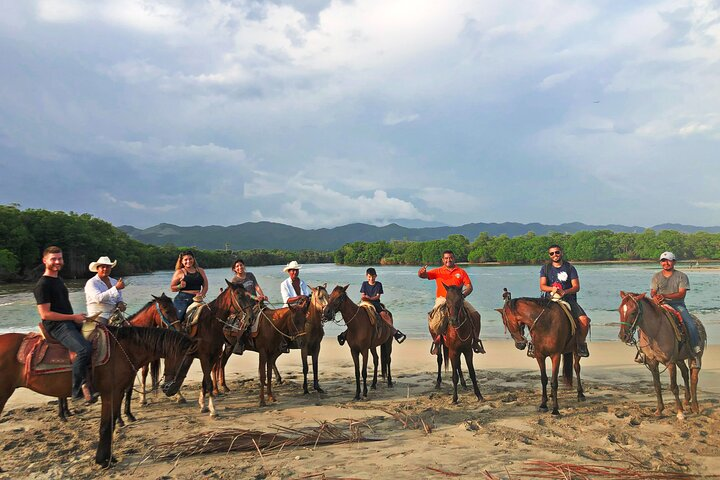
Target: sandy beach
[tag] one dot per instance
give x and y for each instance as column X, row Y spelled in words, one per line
column 420, row 433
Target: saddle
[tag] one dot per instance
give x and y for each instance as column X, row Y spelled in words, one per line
column 373, row 315
column 192, row 317
column 41, row 354
column 568, row 312
column 675, row 320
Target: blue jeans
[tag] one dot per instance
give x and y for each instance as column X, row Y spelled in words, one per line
column 689, row 322
column 68, row 333
column 182, row 301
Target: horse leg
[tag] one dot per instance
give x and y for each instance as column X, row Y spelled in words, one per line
column 110, row 409
column 694, row 375
column 356, row 361
column 279, row 380
column 543, row 382
column 215, row 376
column 554, row 382
column 205, row 386
column 373, row 385
column 364, row 372
column 227, row 353
column 270, row 367
column 471, row 371
column 143, row 391
column 262, row 370
column 576, row 365
column 675, row 390
column 316, row 374
column 438, row 383
column 303, row 357
column 654, row 369
column 388, row 361
column 62, row 405
column 460, row 374
column 686, row 380
column 454, row 360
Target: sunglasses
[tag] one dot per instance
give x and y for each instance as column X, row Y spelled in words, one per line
column 665, row 260
column 556, row 252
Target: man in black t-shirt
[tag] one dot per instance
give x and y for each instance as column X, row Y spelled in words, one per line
column 53, row 304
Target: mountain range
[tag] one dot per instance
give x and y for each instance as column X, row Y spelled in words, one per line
column 269, row 235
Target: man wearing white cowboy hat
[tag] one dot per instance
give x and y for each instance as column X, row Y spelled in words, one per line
column 293, row 288
column 103, row 294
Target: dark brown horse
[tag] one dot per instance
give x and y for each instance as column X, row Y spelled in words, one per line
column 312, row 339
column 129, row 348
column 208, row 329
column 657, row 343
column 457, row 339
column 362, row 337
column 157, row 313
column 550, row 331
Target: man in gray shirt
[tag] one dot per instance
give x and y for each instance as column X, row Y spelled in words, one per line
column 670, row 286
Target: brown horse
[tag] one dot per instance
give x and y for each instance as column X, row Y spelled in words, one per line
column 208, row 329
column 550, row 331
column 129, row 348
column 158, row 313
column 658, row 344
column 312, row 339
column 275, row 326
column 457, row 340
column 362, row 336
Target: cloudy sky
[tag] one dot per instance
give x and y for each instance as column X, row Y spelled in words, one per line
column 319, row 113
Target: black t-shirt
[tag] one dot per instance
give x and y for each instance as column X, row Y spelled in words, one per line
column 52, row 290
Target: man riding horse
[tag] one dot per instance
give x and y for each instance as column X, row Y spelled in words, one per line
column 451, row 274
column 559, row 281
column 669, row 287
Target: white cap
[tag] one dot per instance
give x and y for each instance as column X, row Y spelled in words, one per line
column 668, row 256
column 101, row 261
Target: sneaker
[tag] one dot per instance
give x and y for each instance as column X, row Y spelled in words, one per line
column 341, row 338
column 399, row 336
column 582, row 350
column 697, row 349
column 531, row 350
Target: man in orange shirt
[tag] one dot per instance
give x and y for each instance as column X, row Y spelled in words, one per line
column 451, row 274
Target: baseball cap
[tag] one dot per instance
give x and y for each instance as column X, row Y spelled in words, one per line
column 668, row 256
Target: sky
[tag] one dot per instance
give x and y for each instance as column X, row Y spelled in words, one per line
column 321, row 113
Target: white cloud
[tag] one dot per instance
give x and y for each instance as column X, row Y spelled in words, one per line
column 552, row 81
column 395, row 118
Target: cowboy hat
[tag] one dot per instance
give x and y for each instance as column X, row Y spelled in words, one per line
column 101, row 261
column 292, row 266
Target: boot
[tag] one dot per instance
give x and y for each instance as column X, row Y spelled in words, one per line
column 239, row 346
column 531, row 350
column 89, row 395
column 341, row 338
column 477, row 346
column 284, row 347
column 399, row 336
column 582, row 349
column 640, row 357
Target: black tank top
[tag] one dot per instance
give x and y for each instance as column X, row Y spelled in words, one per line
column 193, row 282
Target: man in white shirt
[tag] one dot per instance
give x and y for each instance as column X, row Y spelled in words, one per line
column 103, row 294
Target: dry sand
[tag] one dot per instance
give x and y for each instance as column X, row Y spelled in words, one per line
column 614, row 427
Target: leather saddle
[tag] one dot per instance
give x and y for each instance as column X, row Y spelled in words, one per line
column 42, row 354
column 675, row 319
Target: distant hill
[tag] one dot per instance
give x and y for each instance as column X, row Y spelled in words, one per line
column 269, row 235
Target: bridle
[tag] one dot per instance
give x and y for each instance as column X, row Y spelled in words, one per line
column 164, row 319
column 631, row 327
column 333, row 311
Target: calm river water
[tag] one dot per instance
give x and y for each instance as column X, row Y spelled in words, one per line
column 410, row 297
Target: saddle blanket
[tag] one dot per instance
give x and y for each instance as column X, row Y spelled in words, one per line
column 675, row 319
column 371, row 311
column 568, row 312
column 41, row 357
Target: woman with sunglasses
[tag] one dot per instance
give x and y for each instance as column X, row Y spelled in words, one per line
column 189, row 280
column 559, row 278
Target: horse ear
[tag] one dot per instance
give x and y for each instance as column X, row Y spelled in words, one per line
column 499, row 310
column 154, row 297
column 346, row 287
column 622, row 294
column 639, row 296
column 443, row 284
column 228, row 283
column 325, row 285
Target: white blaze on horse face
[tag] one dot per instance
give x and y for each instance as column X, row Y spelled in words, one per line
column 624, row 310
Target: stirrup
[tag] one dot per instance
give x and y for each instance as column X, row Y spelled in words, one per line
column 89, row 395
column 399, row 336
column 341, row 339
column 582, row 350
column 477, row 346
column 531, row 350
column 640, row 357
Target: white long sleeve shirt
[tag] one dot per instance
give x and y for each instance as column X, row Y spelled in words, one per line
column 101, row 299
column 287, row 290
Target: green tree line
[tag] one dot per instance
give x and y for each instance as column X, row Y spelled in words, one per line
column 24, row 234
column 596, row 245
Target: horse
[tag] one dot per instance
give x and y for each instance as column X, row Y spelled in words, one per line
column 208, row 329
column 159, row 313
column 129, row 348
column 457, row 340
column 658, row 344
column 551, row 334
column 362, row 336
column 312, row 339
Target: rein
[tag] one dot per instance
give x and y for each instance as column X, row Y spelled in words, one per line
column 345, row 298
column 634, row 325
column 164, row 320
column 262, row 314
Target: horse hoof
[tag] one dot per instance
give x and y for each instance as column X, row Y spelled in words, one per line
column 680, row 416
column 555, row 412
column 581, row 397
column 391, row 384
column 204, row 410
column 272, row 399
column 226, row 389
column 144, row 403
column 262, row 403
column 658, row 413
column 480, row 398
column 120, row 422
column 372, row 387
column 214, row 415
column 216, row 393
column 455, row 401
column 356, row 397
column 306, row 391
column 130, row 417
column 319, row 390
column 181, row 400
column 542, row 408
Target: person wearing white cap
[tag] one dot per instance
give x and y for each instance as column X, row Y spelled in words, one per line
column 103, row 294
column 670, row 286
column 292, row 288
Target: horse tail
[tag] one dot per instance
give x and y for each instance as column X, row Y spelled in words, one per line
column 446, row 353
column 568, row 368
column 155, row 372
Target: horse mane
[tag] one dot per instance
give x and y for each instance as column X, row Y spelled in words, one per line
column 159, row 340
column 140, row 311
column 540, row 302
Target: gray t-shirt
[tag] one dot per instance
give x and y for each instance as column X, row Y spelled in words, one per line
column 671, row 284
